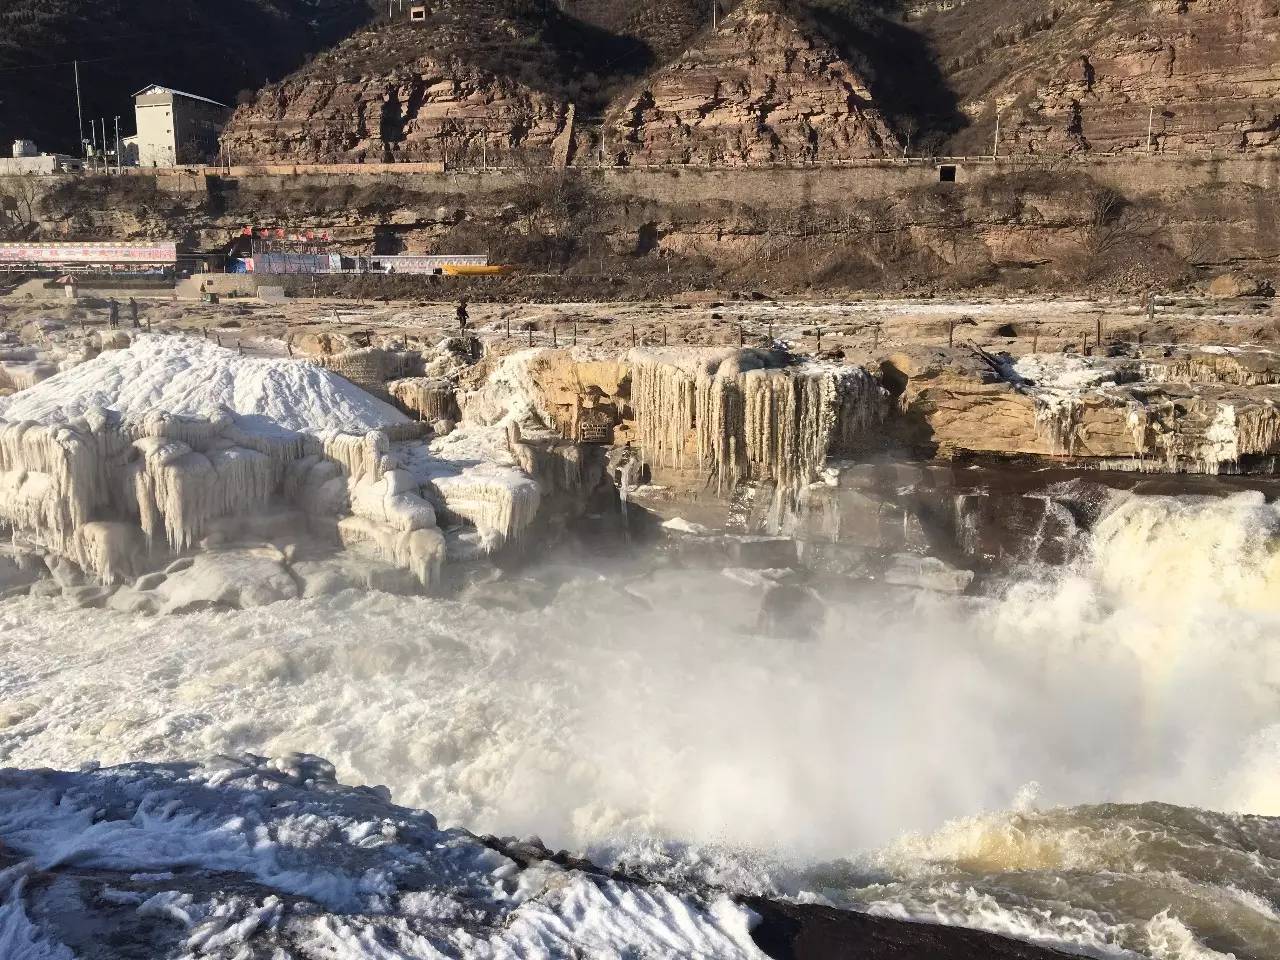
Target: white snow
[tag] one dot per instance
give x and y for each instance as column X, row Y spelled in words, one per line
column 188, row 376
column 1064, row 372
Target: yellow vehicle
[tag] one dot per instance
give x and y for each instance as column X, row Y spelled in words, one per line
column 473, row 270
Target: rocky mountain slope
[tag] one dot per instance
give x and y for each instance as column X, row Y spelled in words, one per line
column 769, row 84
column 214, row 50
column 765, row 87
column 475, row 82
column 1079, row 76
column 780, row 81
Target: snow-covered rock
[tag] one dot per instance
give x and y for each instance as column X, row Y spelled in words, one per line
column 240, row 578
column 187, row 376
column 250, row 857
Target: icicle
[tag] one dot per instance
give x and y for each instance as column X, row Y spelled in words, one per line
column 500, row 502
column 359, row 456
column 427, row 398
column 109, row 551
column 421, row 552
column 663, row 396
column 750, row 422
column 177, row 490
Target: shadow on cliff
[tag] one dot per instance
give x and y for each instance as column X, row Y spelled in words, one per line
column 534, row 43
column 901, row 68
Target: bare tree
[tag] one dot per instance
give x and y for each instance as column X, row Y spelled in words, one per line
column 19, row 203
column 1111, row 224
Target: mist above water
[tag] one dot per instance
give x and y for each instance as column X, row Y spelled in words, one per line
column 650, row 708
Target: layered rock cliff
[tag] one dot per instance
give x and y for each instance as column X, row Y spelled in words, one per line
column 1076, row 76
column 474, row 83
column 765, row 86
column 779, row 81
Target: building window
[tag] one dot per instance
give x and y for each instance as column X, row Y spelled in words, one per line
column 947, row 173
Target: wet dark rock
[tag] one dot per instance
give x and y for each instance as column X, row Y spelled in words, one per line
column 805, row 931
column 14, row 573
column 764, row 552
column 89, row 597
column 836, row 558
column 791, row 610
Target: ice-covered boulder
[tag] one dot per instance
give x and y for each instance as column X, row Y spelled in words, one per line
column 250, row 577
column 353, row 571
column 249, row 856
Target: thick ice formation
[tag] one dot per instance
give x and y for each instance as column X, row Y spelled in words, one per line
column 247, row 855
column 739, row 416
column 1209, row 428
column 430, row 398
column 172, row 434
column 474, row 469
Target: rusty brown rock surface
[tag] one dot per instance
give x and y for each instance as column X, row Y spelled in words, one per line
column 474, row 82
column 1080, row 75
column 425, row 110
column 765, row 87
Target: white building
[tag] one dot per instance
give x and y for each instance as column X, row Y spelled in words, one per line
column 43, row 165
column 176, row 128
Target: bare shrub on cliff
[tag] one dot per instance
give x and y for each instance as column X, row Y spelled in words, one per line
column 1111, row 229
column 559, row 213
column 19, row 204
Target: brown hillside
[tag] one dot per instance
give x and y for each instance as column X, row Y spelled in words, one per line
column 1073, row 75
column 767, row 86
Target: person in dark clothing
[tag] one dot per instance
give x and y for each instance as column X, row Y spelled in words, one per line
column 463, row 316
column 113, row 319
column 133, row 312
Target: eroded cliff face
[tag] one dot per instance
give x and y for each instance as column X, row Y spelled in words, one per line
column 1098, row 227
column 425, row 109
column 777, row 82
column 1097, row 76
column 765, row 87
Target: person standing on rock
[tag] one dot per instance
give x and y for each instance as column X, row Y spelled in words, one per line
column 463, row 316
column 113, row 316
column 133, row 312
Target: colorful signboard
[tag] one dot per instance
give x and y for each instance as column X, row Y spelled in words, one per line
column 162, row 252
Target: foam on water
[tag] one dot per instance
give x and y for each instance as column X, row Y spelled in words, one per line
column 673, row 737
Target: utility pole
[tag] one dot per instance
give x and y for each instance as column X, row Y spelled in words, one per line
column 715, row 9
column 79, row 109
column 118, row 163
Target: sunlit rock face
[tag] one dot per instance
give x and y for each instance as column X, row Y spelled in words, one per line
column 766, row 87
